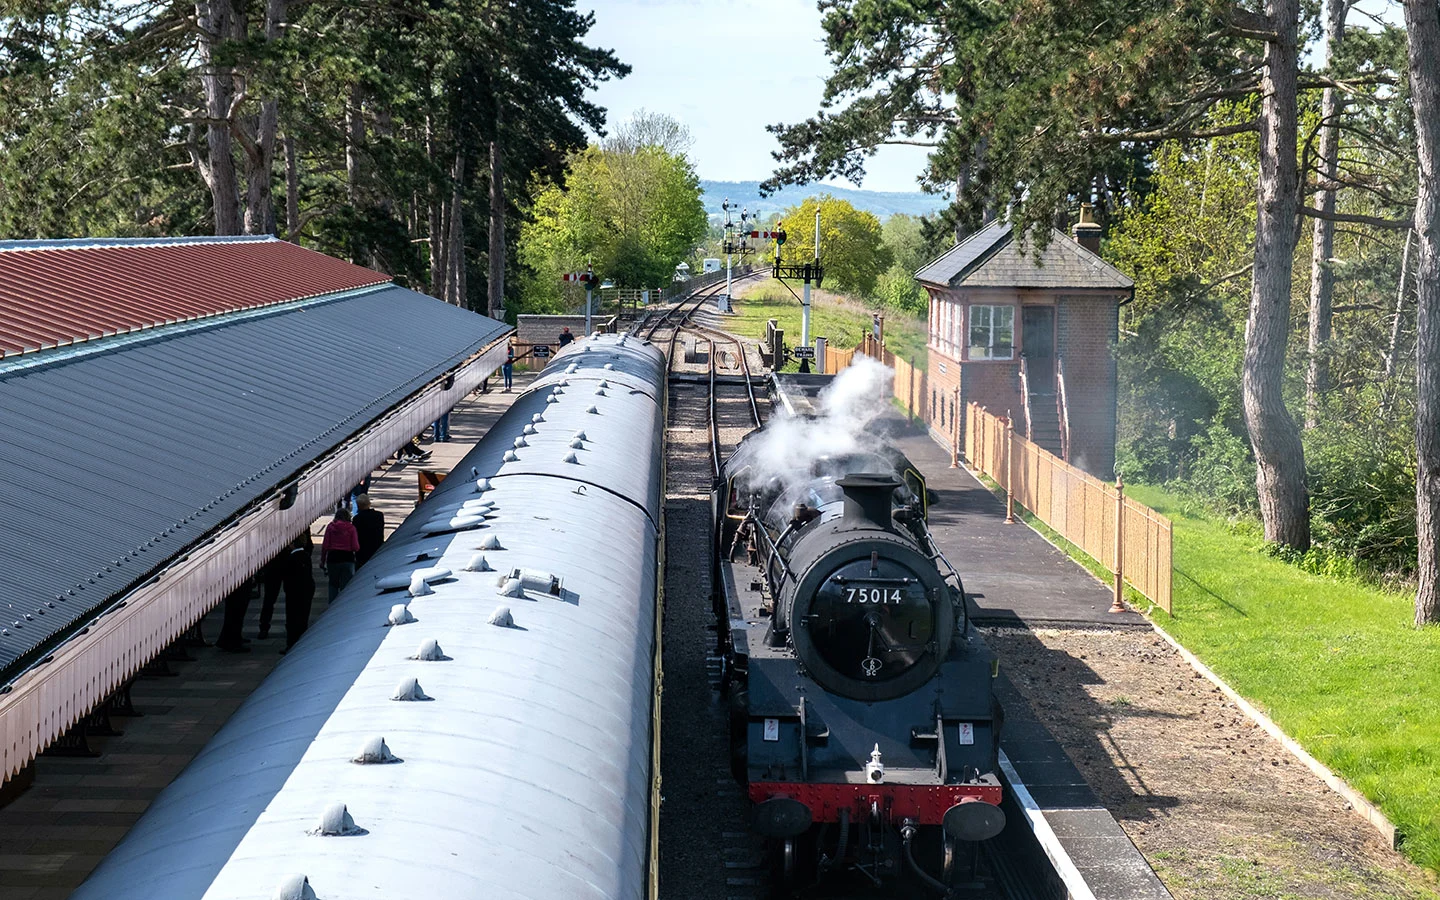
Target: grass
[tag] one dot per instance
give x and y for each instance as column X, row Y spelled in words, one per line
column 839, row 320
column 1336, row 663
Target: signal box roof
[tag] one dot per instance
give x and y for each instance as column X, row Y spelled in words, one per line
column 993, row 258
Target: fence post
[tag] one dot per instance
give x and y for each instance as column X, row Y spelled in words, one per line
column 955, row 432
column 1009, row 469
column 1118, row 604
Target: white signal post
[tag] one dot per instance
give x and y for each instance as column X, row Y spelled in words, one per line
column 589, row 286
column 805, row 298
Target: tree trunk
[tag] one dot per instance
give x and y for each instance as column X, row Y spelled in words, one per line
column 435, row 225
column 456, row 288
column 497, row 234
column 1392, row 352
column 1422, row 21
column 260, row 149
column 214, row 19
column 1279, row 455
column 292, row 193
column 1322, row 276
column 354, row 137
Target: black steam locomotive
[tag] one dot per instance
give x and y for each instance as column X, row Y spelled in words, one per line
column 862, row 716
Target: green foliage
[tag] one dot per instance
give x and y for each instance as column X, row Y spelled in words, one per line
column 851, row 244
column 632, row 210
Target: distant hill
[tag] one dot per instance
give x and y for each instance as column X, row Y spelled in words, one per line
column 882, row 203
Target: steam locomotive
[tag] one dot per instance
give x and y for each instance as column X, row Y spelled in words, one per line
column 863, row 723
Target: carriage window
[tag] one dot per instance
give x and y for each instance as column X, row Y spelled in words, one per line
column 992, row 332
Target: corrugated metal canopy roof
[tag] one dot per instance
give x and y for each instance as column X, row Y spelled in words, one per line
column 115, row 461
column 54, row 293
column 991, row 257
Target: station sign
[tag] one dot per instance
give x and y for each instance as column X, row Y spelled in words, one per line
column 802, row 352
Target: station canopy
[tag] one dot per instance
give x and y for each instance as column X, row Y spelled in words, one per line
column 150, row 390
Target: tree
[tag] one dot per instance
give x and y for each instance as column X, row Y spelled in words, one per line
column 1422, row 19
column 1118, row 77
column 629, row 208
column 851, row 246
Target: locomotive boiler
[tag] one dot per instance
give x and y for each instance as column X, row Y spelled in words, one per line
column 863, row 722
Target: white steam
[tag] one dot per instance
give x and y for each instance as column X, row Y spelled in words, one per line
column 790, row 446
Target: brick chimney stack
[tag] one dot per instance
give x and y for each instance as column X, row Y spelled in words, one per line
column 1087, row 230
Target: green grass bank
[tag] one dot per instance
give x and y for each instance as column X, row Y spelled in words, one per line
column 839, row 320
column 1336, row 663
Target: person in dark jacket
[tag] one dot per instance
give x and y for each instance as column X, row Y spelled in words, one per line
column 272, row 577
column 230, row 639
column 370, row 526
column 565, row 336
column 299, row 588
column 508, row 370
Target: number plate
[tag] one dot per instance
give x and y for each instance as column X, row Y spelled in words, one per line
column 967, row 733
column 772, row 729
column 876, row 595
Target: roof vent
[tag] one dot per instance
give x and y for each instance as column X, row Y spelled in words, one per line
column 511, row 587
column 577, row 444
column 374, row 752
column 409, row 689
column 502, row 618
column 397, row 580
column 609, row 365
column 482, row 485
column 528, row 429
column 430, row 652
column 478, row 503
column 511, row 456
column 418, row 586
column 604, row 382
column 520, row 442
column 570, row 457
column 478, row 564
column 532, row 580
column 335, row 821
column 564, row 382
column 600, row 392
column 491, row 542
column 400, row 615
column 572, row 368
column 552, row 399
column 537, row 418
column 293, row 887
column 580, row 436
column 453, row 523
column 593, row 410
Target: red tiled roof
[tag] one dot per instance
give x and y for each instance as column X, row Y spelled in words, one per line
column 54, row 293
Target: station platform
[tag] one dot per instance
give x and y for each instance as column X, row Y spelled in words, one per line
column 1012, row 575
column 77, row 809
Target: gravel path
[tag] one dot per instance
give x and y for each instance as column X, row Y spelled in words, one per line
column 1219, row 809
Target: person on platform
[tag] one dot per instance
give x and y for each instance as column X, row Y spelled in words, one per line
column 508, row 370
column 370, row 526
column 230, row 639
column 299, row 588
column 272, row 578
column 565, row 336
column 337, row 552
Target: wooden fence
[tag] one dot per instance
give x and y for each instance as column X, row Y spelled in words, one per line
column 1095, row 516
column 1089, row 513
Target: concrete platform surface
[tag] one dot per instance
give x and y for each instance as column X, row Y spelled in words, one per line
column 1012, row 575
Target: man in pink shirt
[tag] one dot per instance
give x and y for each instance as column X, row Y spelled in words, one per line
column 337, row 551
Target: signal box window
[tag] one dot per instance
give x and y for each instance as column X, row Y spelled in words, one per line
column 992, row 332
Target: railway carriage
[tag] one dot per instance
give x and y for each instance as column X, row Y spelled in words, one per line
column 473, row 717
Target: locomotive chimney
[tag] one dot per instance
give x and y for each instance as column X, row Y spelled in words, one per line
column 868, row 498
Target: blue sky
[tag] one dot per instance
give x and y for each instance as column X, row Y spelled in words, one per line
column 727, row 70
